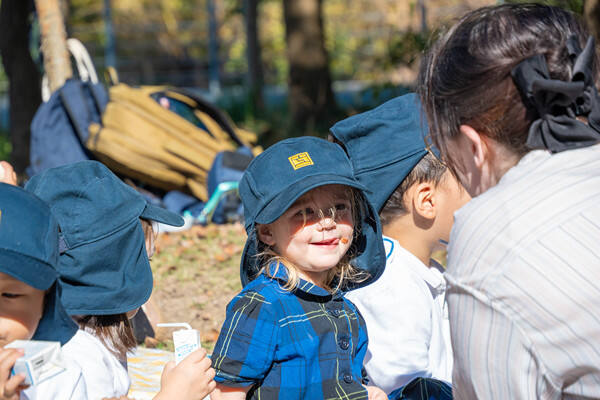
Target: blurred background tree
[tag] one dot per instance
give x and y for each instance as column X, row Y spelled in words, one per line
column 252, row 57
column 20, row 70
column 310, row 96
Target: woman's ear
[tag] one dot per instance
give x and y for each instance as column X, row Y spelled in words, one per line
column 265, row 234
column 476, row 145
column 484, row 160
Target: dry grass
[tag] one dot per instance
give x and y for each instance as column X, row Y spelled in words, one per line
column 196, row 273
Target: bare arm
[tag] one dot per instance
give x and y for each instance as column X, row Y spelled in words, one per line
column 192, row 379
column 223, row 392
column 7, row 173
column 376, row 394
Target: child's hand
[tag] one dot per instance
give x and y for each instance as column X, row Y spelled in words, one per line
column 376, row 394
column 191, row 379
column 7, row 173
column 10, row 386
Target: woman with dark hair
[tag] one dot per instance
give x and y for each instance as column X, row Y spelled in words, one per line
column 511, row 99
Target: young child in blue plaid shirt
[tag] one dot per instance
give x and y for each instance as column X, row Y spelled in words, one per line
column 290, row 333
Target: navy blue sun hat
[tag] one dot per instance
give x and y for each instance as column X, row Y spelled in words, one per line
column 384, row 144
column 103, row 265
column 29, row 253
column 275, row 179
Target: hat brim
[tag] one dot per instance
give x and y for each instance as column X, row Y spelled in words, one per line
column 383, row 181
column 161, row 215
column 280, row 203
column 36, row 273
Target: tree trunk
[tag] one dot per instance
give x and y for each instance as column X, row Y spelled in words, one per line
column 255, row 70
column 57, row 62
column 310, row 96
column 591, row 12
column 23, row 76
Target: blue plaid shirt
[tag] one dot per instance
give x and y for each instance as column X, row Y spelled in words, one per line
column 303, row 344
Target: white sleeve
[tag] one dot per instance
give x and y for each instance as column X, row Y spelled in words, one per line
column 399, row 326
column 68, row 385
column 493, row 359
column 80, row 390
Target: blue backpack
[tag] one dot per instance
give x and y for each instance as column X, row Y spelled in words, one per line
column 60, row 126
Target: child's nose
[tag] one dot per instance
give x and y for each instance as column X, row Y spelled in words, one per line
column 327, row 222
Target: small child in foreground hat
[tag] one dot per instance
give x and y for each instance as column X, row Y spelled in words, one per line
column 290, row 333
column 106, row 240
column 29, row 294
column 416, row 197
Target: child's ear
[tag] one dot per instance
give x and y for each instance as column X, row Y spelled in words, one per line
column 424, row 200
column 265, row 234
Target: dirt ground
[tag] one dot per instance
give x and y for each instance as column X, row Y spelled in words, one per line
column 196, row 274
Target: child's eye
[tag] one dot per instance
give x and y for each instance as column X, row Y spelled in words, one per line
column 10, row 295
column 342, row 207
column 305, row 212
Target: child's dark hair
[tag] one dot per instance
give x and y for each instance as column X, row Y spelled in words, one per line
column 466, row 76
column 428, row 169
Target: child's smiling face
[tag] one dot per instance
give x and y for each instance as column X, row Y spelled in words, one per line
column 21, row 308
column 315, row 232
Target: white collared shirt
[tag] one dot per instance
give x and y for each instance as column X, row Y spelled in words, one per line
column 524, row 282
column 105, row 376
column 67, row 385
column 405, row 315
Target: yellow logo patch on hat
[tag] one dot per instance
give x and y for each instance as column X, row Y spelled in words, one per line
column 300, row 160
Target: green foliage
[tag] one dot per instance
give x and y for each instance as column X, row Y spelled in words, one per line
column 405, row 48
column 5, row 146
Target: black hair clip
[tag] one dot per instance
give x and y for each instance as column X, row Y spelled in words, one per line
column 559, row 103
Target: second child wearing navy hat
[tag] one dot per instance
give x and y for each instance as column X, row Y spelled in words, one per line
column 290, row 333
column 29, row 294
column 106, row 240
column 416, row 197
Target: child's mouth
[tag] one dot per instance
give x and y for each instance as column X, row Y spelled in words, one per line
column 328, row 242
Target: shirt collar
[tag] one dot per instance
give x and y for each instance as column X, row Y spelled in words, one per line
column 432, row 275
column 280, row 273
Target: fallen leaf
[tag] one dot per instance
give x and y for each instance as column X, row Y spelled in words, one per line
column 221, row 257
column 210, row 336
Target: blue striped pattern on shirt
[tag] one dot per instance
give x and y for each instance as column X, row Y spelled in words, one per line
column 524, row 282
column 304, row 344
